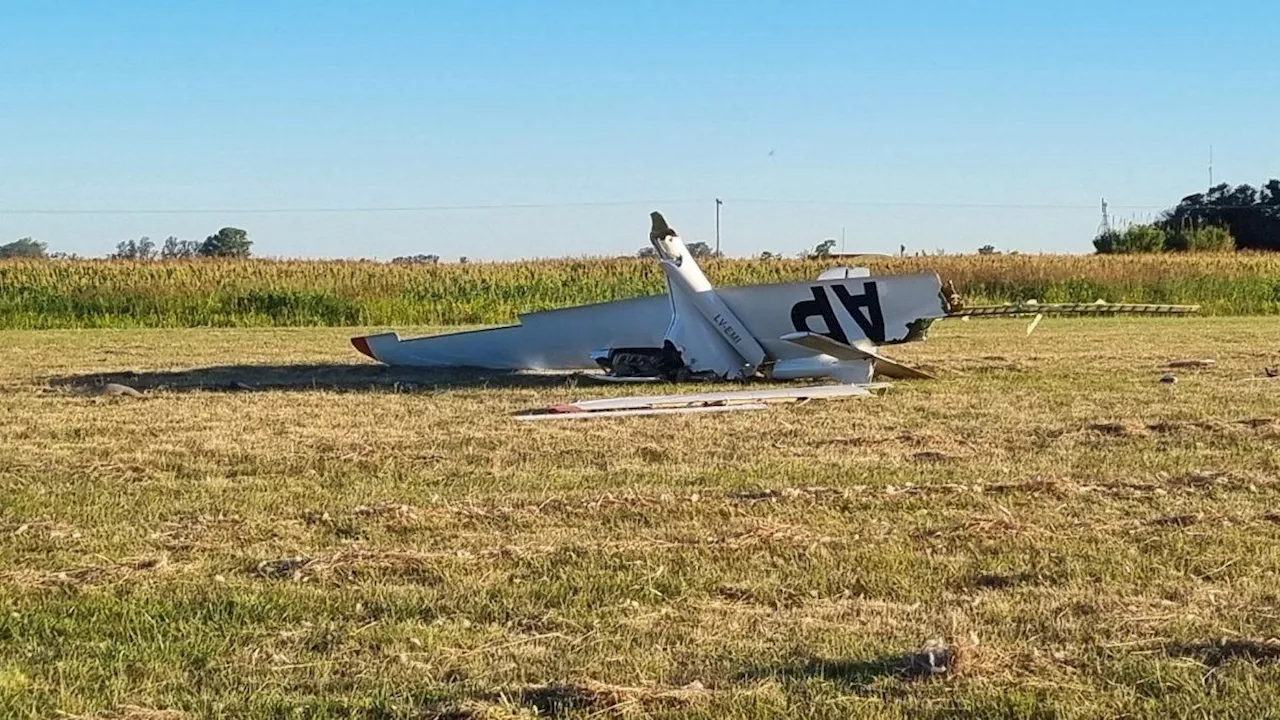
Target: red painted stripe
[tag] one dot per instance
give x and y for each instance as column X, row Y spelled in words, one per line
column 362, row 344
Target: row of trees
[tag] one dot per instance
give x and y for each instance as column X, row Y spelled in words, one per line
column 1221, row 220
column 144, row 249
column 419, row 259
column 1154, row 238
column 698, row 250
column 25, row 248
column 822, row 250
column 1251, row 215
column 228, row 242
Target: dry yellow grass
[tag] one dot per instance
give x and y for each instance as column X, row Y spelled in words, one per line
column 276, row 527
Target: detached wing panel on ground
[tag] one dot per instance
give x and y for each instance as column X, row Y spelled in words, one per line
column 695, row 403
column 1038, row 311
column 1095, row 308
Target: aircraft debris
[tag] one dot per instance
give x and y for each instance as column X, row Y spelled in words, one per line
column 573, row 412
column 1035, row 322
column 933, row 659
column 1191, row 363
column 833, row 328
column 1098, row 307
column 695, row 403
column 118, row 390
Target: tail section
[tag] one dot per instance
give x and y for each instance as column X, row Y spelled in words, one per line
column 708, row 334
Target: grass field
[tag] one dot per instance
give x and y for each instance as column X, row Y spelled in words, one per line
column 276, row 529
column 258, row 293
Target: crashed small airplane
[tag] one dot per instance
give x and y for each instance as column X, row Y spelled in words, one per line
column 831, row 328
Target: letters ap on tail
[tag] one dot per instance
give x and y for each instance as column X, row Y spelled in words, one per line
column 772, row 330
column 832, row 327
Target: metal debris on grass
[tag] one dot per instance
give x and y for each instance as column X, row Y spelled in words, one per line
column 118, row 390
column 1191, row 363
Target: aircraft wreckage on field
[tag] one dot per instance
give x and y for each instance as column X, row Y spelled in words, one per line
column 830, row 328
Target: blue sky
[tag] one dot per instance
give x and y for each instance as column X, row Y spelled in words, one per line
column 931, row 124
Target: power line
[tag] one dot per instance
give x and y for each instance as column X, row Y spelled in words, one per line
column 586, row 204
column 320, row 210
column 945, row 205
column 977, row 206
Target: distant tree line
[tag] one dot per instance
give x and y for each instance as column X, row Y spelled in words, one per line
column 419, row 259
column 228, row 242
column 698, row 250
column 144, row 249
column 822, row 249
column 25, row 248
column 1223, row 219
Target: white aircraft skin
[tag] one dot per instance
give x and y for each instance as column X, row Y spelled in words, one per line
column 830, row 328
column 730, row 334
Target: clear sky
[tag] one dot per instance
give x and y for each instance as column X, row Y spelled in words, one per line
column 931, row 124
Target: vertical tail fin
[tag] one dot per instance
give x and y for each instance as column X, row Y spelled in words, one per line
column 665, row 240
column 689, row 287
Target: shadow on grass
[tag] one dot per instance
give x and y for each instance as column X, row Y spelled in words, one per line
column 928, row 662
column 587, row 698
column 332, row 377
column 1219, row 652
column 559, row 699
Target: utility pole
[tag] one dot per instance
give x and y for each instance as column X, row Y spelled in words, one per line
column 841, row 239
column 1210, row 167
column 718, row 204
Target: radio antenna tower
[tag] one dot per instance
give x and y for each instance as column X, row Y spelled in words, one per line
column 1105, row 225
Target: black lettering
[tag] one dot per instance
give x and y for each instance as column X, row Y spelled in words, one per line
column 728, row 329
column 871, row 322
column 819, row 306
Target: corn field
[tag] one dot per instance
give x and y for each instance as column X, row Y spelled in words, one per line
column 206, row 293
